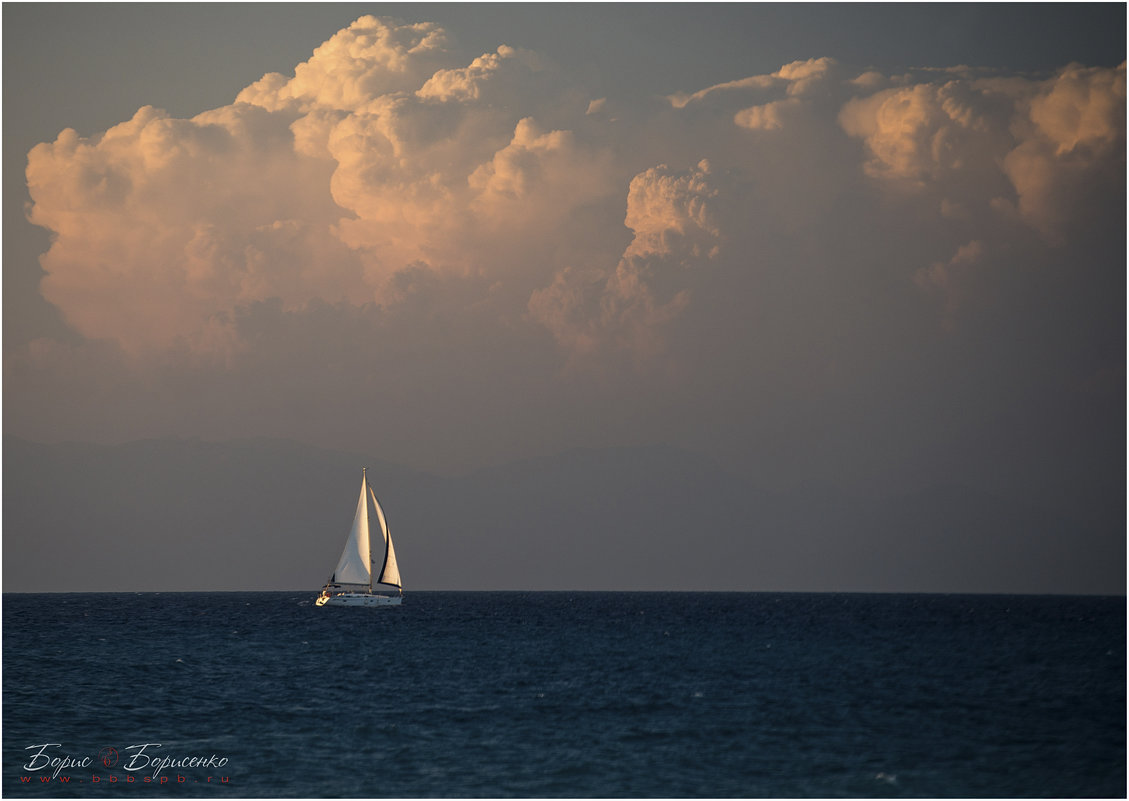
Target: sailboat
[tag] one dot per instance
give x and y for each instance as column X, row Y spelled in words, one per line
column 352, row 581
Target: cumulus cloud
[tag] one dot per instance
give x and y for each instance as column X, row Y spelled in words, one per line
column 675, row 231
column 765, row 117
column 1070, row 138
column 822, row 270
column 796, row 78
column 161, row 223
column 371, row 58
column 919, row 132
column 535, row 178
column 1081, row 108
column 373, row 157
column 383, row 171
column 1049, row 139
column 945, row 277
column 481, row 79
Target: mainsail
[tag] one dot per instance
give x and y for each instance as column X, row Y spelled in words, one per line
column 353, row 567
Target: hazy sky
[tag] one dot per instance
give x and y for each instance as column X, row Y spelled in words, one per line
column 875, row 247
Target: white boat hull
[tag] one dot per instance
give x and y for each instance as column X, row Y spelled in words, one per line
column 360, row 599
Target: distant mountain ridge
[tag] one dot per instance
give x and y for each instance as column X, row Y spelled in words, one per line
column 186, row 514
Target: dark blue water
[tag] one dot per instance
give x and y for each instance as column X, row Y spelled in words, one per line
column 566, row 694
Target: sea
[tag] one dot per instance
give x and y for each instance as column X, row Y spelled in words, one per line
column 564, row 694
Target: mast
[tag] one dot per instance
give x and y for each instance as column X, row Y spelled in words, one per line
column 365, row 486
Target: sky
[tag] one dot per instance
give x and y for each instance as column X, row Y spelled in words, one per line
column 871, row 247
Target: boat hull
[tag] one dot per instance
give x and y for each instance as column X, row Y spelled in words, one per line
column 360, row 599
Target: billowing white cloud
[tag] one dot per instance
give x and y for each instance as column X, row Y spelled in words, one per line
column 1070, row 138
column 1050, row 139
column 795, row 78
column 371, row 58
column 383, row 171
column 922, row 132
column 537, row 178
column 161, row 223
column 491, row 77
column 371, row 159
column 1081, row 108
column 820, row 271
column 675, row 231
column 767, row 116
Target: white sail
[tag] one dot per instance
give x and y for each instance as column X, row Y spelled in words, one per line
column 391, row 572
column 353, row 567
column 352, row 581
